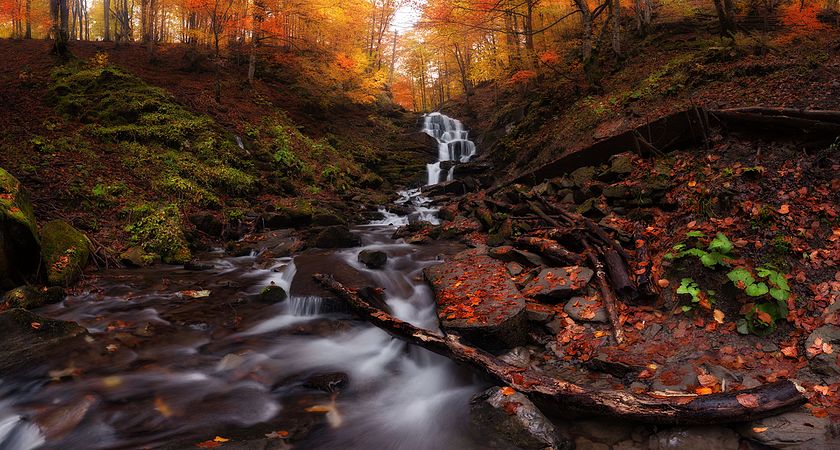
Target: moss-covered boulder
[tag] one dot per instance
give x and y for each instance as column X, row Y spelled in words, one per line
column 65, row 250
column 30, row 297
column 19, row 246
column 160, row 231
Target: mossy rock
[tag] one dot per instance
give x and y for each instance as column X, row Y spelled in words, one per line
column 19, row 244
column 161, row 232
column 65, row 250
column 30, row 297
column 30, row 340
column 273, row 294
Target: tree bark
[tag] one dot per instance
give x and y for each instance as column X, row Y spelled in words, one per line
column 553, row 393
column 28, row 33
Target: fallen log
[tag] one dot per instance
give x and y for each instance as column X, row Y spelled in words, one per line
column 644, row 280
column 550, row 249
column 620, row 275
column 607, row 296
column 554, row 393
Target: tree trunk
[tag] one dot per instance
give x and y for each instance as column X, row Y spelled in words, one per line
column 257, row 16
column 28, row 34
column 615, row 12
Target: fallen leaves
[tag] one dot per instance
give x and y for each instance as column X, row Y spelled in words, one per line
column 508, row 391
column 195, row 294
column 719, row 316
column 784, row 209
column 747, row 400
column 35, row 325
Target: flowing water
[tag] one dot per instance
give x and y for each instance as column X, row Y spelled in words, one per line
column 162, row 368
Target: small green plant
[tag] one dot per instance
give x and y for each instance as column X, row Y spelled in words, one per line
column 760, row 318
column 699, row 297
column 715, row 254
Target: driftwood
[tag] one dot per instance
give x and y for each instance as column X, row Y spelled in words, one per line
column 607, row 296
column 550, row 249
column 552, row 393
column 620, row 275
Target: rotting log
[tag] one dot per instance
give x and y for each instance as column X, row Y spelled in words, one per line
column 620, row 275
column 550, row 249
column 553, row 393
column 607, row 295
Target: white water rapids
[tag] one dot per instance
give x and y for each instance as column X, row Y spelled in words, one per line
column 196, row 384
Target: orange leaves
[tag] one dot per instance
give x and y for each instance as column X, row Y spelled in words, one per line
column 747, row 400
column 35, row 325
column 213, row 443
column 790, row 352
column 784, row 209
column 508, row 391
column 522, row 76
column 818, row 347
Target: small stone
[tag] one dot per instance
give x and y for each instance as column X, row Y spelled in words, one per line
column 373, row 259
column 791, row 430
column 586, row 309
column 273, row 294
column 580, row 177
column 514, row 268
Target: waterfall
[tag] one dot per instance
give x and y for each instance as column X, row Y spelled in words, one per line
column 454, row 144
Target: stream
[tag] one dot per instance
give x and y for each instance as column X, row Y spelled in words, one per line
column 174, row 372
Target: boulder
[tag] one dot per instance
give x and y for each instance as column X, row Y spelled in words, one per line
column 558, row 283
column 30, row 297
column 373, row 259
column 324, row 219
column 286, row 217
column 29, row 340
column 20, row 250
column 207, row 223
column 452, row 187
column 793, row 430
column 582, row 176
column 621, row 165
column 335, row 236
column 65, row 250
column 507, row 253
column 509, row 416
column 137, row 257
column 477, row 299
column 586, row 309
column 273, row 294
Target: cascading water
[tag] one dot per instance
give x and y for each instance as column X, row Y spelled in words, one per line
column 453, row 144
column 198, row 376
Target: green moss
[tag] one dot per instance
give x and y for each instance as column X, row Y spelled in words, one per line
column 161, row 232
column 14, row 203
column 65, row 251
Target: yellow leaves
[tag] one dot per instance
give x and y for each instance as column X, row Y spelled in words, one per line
column 759, row 429
column 824, row 390
column 747, row 400
column 195, row 294
column 220, row 439
column 319, row 408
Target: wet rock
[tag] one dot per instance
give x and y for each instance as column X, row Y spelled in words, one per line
column 336, row 236
column 29, row 340
column 508, row 253
column 604, row 431
column 796, row 429
column 476, row 298
column 555, row 326
column 558, row 283
column 592, row 208
column 373, row 259
column 207, row 223
column 20, row 248
column 65, row 251
column 452, row 187
column 515, row 420
column 327, row 219
column 502, row 233
column 58, row 422
column 586, row 309
column 694, row 438
column 517, row 357
column 538, row 313
column 374, row 296
column 582, row 176
column 822, row 363
column 273, row 294
column 474, row 167
column 286, row 217
column 328, row 382
column 582, row 443
column 514, row 268
column 621, row 165
column 619, row 191
column 30, row 297
column 137, row 257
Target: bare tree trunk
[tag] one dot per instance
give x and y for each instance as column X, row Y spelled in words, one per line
column 586, row 24
column 393, row 59
column 107, row 18
column 257, row 15
column 615, row 11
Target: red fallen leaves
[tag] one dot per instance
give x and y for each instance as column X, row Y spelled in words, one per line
column 511, row 407
column 35, row 325
column 508, row 391
column 747, row 400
